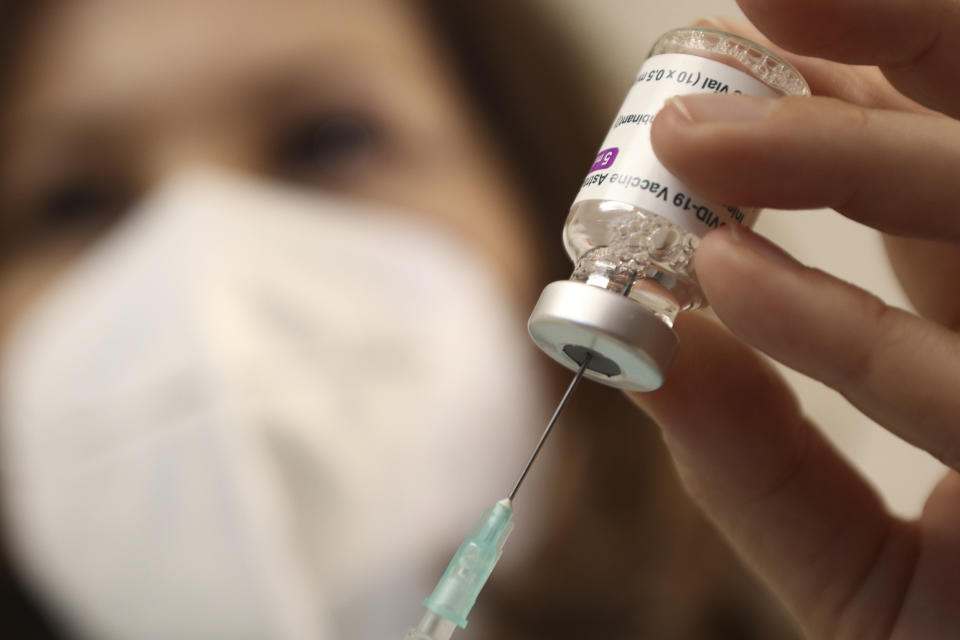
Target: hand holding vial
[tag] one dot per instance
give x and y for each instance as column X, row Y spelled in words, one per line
column 881, row 145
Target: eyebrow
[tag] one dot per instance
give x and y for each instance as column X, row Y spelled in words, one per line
column 304, row 80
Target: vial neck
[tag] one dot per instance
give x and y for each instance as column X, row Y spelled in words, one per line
column 643, row 283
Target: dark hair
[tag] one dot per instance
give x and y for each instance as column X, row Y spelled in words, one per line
column 19, row 609
column 15, row 15
column 548, row 108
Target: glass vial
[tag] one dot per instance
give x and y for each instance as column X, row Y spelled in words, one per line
column 633, row 228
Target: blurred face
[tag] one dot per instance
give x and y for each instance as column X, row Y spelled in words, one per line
column 352, row 97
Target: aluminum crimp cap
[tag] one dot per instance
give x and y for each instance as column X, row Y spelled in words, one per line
column 631, row 347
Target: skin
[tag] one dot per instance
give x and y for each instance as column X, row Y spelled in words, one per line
column 881, row 145
column 152, row 91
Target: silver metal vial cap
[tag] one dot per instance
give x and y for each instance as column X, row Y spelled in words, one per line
column 631, row 348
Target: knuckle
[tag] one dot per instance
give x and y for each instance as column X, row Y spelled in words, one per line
column 860, row 367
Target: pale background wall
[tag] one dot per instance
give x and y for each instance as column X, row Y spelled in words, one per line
column 617, row 35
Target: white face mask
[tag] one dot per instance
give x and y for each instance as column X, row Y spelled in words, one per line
column 257, row 413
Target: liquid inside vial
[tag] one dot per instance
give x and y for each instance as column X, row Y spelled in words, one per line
column 634, row 228
column 619, row 246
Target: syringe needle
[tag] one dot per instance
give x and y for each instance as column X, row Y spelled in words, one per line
column 553, row 421
column 456, row 592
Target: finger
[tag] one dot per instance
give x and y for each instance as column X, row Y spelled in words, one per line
column 893, row 171
column 793, row 509
column 898, row 369
column 930, row 609
column 929, row 272
column 857, row 84
column 915, row 42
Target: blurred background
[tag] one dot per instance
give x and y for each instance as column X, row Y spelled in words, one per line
column 264, row 275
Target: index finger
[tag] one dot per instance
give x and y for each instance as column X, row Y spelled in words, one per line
column 896, row 172
column 916, row 42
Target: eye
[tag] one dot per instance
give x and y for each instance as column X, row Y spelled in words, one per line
column 81, row 201
column 68, row 208
column 327, row 147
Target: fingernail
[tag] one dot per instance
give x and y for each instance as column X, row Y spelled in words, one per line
column 759, row 245
column 704, row 109
column 677, row 104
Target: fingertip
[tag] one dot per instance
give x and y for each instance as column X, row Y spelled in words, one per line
column 712, row 366
column 702, row 138
column 730, row 25
column 723, row 266
column 780, row 21
column 744, row 278
column 734, row 239
column 671, row 119
column 709, row 22
column 715, row 240
column 677, row 139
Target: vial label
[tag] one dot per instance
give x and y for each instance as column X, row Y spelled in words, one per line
column 626, row 168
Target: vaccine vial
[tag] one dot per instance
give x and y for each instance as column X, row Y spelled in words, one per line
column 634, row 228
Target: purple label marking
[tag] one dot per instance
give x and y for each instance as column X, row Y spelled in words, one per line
column 604, row 159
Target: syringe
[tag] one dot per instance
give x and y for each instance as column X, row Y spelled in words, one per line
column 457, row 591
